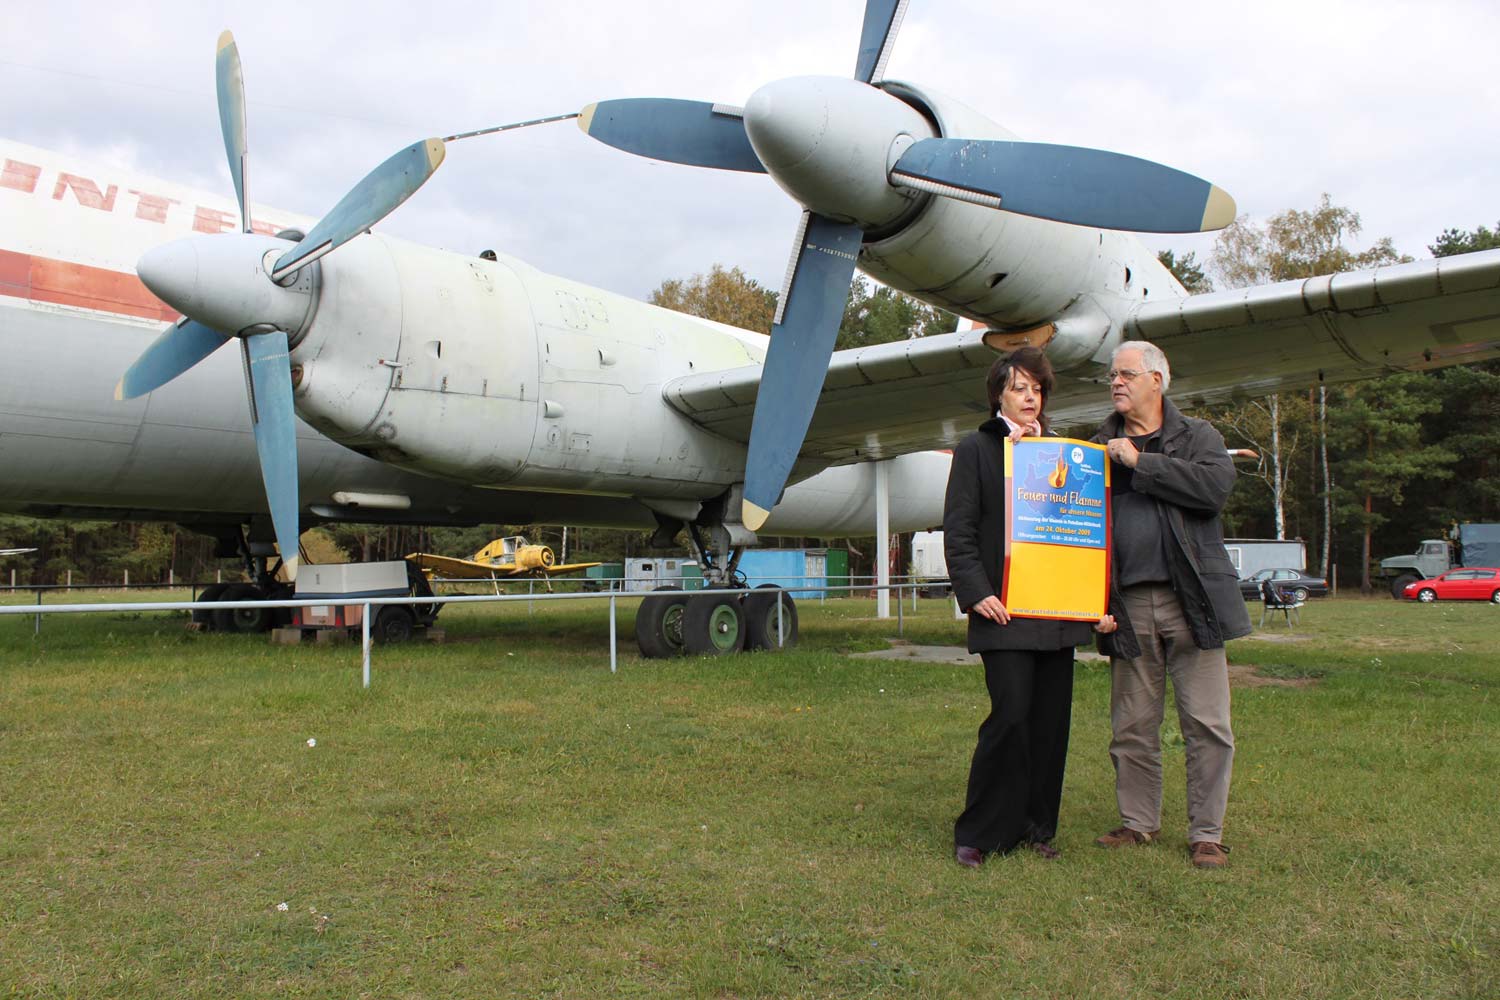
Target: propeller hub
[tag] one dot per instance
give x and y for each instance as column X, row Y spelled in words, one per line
column 826, row 141
column 222, row 282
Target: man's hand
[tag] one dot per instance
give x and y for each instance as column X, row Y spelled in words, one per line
column 992, row 609
column 1123, row 450
column 1106, row 624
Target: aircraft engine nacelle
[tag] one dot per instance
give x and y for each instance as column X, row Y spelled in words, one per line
column 423, row 359
column 1014, row 273
column 532, row 557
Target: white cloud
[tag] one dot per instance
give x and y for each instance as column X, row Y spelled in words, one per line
column 1385, row 105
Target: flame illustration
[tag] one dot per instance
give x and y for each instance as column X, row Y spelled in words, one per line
column 1059, row 477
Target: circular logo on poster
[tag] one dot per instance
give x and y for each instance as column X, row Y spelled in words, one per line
column 1077, row 455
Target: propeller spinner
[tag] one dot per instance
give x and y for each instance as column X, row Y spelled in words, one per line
column 246, row 287
column 853, row 155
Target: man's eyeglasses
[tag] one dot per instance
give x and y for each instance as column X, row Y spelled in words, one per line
column 1128, row 374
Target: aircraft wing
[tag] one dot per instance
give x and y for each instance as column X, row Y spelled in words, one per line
column 914, row 395
column 466, row 569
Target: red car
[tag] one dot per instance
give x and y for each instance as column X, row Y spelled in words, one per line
column 1472, row 583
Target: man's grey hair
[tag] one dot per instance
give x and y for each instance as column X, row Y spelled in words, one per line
column 1152, row 359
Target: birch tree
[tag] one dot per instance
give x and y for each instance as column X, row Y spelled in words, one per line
column 1295, row 244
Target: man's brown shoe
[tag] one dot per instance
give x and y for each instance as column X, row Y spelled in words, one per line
column 1207, row 854
column 1124, row 836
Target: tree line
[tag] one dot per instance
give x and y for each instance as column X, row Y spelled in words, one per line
column 1367, row 469
column 1358, row 471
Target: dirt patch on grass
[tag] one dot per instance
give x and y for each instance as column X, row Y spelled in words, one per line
column 1240, row 674
column 1277, row 637
column 1249, row 675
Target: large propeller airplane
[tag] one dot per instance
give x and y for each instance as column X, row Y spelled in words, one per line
column 441, row 388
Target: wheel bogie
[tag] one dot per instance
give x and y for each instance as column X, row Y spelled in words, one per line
column 242, row 620
column 205, row 616
column 770, row 623
column 659, row 625
column 713, row 624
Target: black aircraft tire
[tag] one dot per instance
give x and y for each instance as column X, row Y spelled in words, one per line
column 760, row 618
column 205, row 616
column 393, row 623
column 658, row 623
column 242, row 620
column 714, row 624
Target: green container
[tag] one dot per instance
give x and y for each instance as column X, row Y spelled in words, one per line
column 838, row 571
column 606, row 571
column 692, row 576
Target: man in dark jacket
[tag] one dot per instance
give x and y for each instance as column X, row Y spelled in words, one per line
column 1175, row 598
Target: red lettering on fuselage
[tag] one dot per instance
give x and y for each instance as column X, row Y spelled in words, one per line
column 152, row 207
column 86, row 191
column 211, row 220
column 24, row 177
column 20, row 176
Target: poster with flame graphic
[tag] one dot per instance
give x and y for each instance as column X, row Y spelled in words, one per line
column 1057, row 529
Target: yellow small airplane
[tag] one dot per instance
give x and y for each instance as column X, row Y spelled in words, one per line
column 502, row 559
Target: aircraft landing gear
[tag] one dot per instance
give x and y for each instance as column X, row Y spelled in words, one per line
column 671, row 622
column 713, row 624
column 261, row 564
column 658, row 623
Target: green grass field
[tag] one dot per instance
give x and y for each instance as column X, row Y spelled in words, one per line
column 499, row 816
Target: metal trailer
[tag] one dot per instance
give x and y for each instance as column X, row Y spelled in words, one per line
column 347, row 585
column 1251, row 555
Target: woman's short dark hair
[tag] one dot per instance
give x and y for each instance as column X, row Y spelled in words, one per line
column 1029, row 360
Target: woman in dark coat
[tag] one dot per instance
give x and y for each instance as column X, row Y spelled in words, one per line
column 1016, row 779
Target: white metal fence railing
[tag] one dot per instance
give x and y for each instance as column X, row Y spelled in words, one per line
column 38, row 610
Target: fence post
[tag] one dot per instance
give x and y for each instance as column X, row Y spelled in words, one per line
column 612, row 629
column 780, row 633
column 900, row 617
column 37, row 629
column 364, row 629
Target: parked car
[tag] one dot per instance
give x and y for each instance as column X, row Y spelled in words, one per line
column 1473, row 583
column 1291, row 582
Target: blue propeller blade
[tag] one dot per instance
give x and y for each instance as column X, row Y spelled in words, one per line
column 882, row 21
column 797, row 360
column 379, row 194
column 270, row 378
column 180, row 347
column 1085, row 187
column 690, row 132
column 231, row 87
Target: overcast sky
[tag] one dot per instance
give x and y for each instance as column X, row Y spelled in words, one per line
column 1388, row 106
